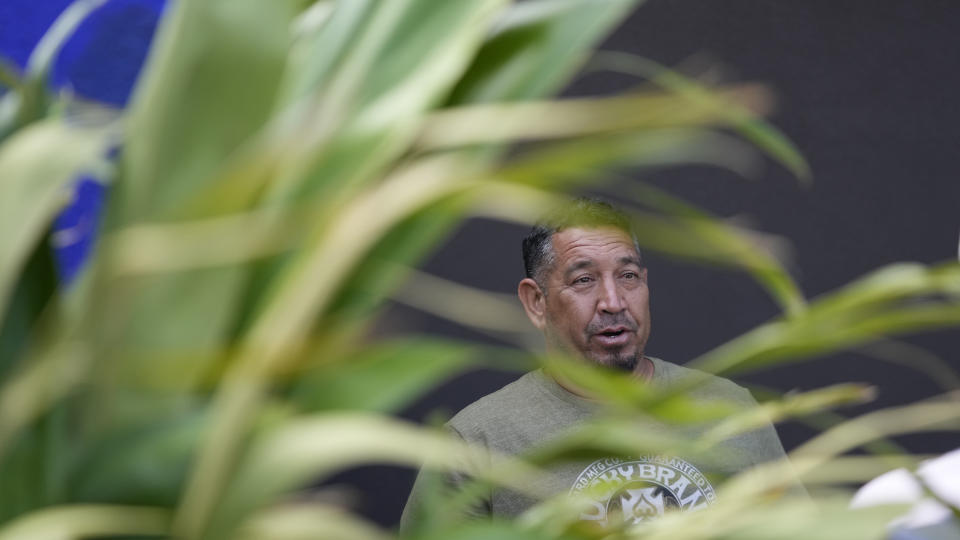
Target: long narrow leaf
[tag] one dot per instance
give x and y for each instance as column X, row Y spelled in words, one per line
column 45, row 52
column 384, row 377
column 537, row 48
column 492, row 123
column 765, row 136
column 41, row 383
column 893, row 300
column 305, row 521
column 9, row 75
column 39, row 163
column 916, row 358
column 792, row 405
column 323, row 47
column 208, row 86
column 939, row 414
column 498, row 313
column 765, row 268
column 30, row 99
column 82, row 521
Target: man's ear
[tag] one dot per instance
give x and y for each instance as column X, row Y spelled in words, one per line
column 534, row 302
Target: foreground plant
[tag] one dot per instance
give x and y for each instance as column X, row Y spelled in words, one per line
column 283, row 167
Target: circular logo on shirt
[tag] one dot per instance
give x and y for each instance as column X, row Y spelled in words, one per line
column 636, row 490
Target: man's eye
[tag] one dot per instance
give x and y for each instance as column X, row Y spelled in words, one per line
column 583, row 279
column 631, row 275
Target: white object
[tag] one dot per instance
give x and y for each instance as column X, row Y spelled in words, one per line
column 941, row 476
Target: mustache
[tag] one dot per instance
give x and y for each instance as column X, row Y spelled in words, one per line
column 608, row 320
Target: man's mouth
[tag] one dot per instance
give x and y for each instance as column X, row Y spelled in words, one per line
column 614, row 336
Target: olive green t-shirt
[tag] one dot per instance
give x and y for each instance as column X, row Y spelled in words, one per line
column 535, row 409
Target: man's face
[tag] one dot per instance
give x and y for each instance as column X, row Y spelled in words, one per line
column 597, row 301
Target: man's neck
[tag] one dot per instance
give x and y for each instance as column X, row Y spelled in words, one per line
column 643, row 372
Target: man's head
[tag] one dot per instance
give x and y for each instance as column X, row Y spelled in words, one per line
column 586, row 286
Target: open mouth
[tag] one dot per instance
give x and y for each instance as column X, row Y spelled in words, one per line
column 613, row 336
column 612, row 333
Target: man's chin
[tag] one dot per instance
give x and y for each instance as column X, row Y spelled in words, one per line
column 628, row 365
column 620, row 362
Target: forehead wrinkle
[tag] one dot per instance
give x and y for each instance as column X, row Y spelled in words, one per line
column 571, row 251
column 568, row 250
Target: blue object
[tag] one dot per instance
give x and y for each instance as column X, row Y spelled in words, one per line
column 102, row 60
column 99, row 62
column 75, row 229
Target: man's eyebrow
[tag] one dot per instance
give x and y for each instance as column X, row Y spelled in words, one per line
column 579, row 265
column 633, row 259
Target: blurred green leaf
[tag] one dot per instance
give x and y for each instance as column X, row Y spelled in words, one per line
column 728, row 244
column 24, row 467
column 823, row 476
column 29, row 101
column 165, row 315
column 208, row 86
column 824, row 420
column 39, row 163
column 892, row 283
column 56, row 368
column 761, row 133
column 9, row 108
column 322, row 47
column 30, row 296
column 567, row 165
column 9, row 75
column 536, row 48
column 836, row 522
column 791, row 405
column 622, row 394
column 143, row 463
column 613, row 436
column 304, row 521
column 752, row 518
column 916, row 358
column 45, row 52
column 893, row 300
column 497, row 123
column 384, row 377
column 936, row 414
column 496, row 313
column 220, row 241
column 81, row 521
column 493, row 530
column 387, row 264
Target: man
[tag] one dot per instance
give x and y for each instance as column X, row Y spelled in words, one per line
column 586, row 290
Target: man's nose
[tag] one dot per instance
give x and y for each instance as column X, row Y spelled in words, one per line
column 611, row 297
